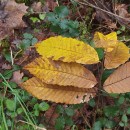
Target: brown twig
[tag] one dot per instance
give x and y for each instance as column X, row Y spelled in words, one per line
column 96, row 7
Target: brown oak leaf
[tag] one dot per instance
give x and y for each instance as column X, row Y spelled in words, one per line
column 11, row 17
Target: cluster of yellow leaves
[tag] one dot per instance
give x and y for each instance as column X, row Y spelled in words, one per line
column 116, row 52
column 108, row 42
column 59, row 75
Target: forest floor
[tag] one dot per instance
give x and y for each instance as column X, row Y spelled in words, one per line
column 23, row 23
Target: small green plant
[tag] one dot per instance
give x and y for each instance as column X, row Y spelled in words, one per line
column 65, row 116
column 28, row 40
column 113, row 115
column 60, row 24
column 15, row 106
column 41, row 16
column 23, row 45
column 121, row 30
column 43, row 106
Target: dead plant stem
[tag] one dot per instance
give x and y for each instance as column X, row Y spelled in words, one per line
column 96, row 7
column 11, row 56
column 36, row 127
column 100, row 99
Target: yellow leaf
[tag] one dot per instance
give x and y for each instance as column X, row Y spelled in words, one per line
column 108, row 42
column 119, row 80
column 67, row 50
column 118, row 56
column 57, row 72
column 55, row 93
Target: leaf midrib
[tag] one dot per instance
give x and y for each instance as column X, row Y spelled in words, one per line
column 117, row 81
column 69, row 50
column 65, row 73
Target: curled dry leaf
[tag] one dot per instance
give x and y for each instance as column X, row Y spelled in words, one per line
column 108, row 42
column 122, row 10
column 57, row 72
column 17, row 77
column 119, row 80
column 119, row 55
column 67, row 50
column 12, row 18
column 55, row 93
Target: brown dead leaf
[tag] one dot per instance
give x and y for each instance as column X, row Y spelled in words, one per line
column 51, row 115
column 6, row 66
column 15, row 13
column 51, row 4
column 56, row 93
column 111, row 25
column 121, row 10
column 17, row 77
column 37, row 7
column 11, row 17
column 4, row 31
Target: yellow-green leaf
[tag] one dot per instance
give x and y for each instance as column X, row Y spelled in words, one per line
column 67, row 50
column 119, row 80
column 57, row 72
column 119, row 55
column 108, row 42
column 55, row 93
